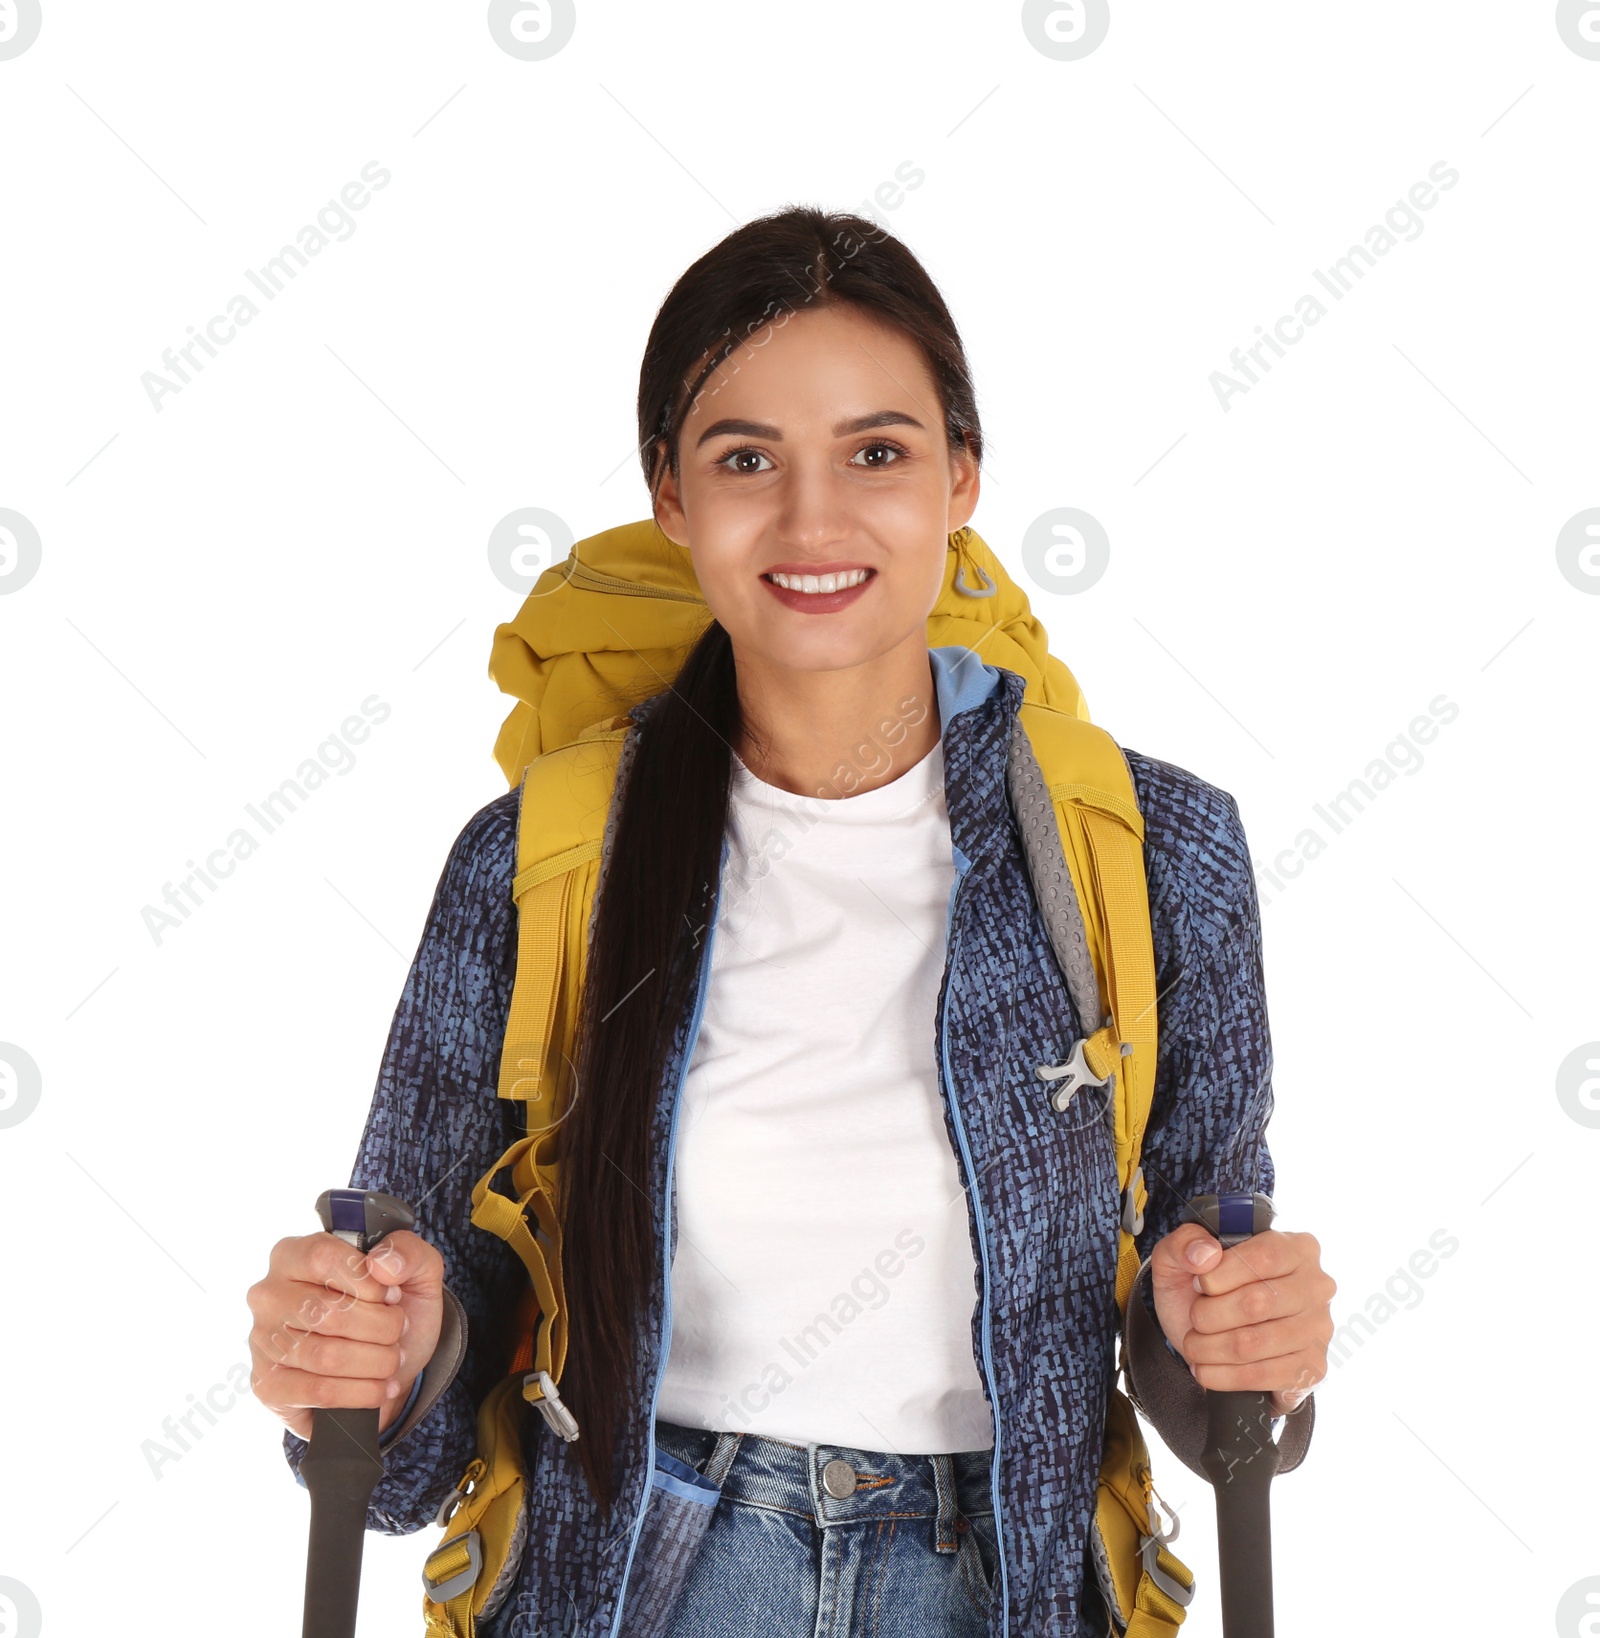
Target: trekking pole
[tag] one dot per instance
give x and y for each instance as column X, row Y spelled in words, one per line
column 342, row 1465
column 1241, row 1455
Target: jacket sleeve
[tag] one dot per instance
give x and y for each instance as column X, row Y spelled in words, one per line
column 1213, row 1091
column 434, row 1128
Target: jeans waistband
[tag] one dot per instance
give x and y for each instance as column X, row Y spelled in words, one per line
column 808, row 1479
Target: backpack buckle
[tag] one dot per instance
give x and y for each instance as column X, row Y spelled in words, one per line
column 557, row 1417
column 1132, row 1214
column 1150, row 1546
column 462, row 1579
column 1075, row 1073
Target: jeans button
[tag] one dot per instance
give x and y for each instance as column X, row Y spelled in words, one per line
column 839, row 1478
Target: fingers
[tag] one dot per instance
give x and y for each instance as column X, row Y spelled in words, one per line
column 285, row 1310
column 1253, row 1344
column 287, row 1389
column 339, row 1357
column 1252, row 1304
column 327, row 1261
column 1300, row 1371
column 1270, row 1255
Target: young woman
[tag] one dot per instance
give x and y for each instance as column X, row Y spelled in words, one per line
column 889, row 1326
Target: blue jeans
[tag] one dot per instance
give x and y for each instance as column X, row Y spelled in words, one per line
column 908, row 1551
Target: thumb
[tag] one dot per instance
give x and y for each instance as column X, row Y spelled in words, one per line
column 402, row 1262
column 1190, row 1249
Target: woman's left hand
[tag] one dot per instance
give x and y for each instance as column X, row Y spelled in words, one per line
column 1252, row 1316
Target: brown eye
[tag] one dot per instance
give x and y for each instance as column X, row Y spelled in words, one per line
column 734, row 454
column 897, row 451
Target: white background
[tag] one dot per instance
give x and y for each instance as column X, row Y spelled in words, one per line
column 1291, row 581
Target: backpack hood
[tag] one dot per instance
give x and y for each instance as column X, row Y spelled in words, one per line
column 613, row 622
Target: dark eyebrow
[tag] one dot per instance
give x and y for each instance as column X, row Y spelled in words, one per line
column 760, row 429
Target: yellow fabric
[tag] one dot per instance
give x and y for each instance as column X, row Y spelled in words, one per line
column 494, row 1486
column 609, row 626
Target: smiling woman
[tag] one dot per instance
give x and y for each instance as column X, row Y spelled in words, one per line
column 793, row 499
column 818, row 922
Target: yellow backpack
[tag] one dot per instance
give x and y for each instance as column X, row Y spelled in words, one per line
column 609, row 624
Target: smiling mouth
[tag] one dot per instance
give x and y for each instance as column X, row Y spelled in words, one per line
column 819, row 584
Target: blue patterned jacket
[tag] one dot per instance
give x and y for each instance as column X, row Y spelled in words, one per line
column 1042, row 1193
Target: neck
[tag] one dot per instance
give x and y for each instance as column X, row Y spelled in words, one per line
column 838, row 733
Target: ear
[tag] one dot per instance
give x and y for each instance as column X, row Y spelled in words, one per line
column 668, row 508
column 964, row 487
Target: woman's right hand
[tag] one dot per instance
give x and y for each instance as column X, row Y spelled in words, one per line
column 334, row 1327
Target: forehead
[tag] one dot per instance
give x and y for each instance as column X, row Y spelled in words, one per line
column 811, row 368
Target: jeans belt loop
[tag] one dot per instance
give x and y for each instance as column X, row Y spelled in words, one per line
column 945, row 1539
column 721, row 1457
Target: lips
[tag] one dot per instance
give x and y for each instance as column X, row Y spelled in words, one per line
column 818, row 601
column 815, row 582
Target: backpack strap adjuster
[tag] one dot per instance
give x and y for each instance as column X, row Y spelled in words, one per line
column 539, row 1388
column 460, row 1577
column 1132, row 1213
column 1149, row 1550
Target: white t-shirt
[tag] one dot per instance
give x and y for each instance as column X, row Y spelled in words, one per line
column 823, row 1280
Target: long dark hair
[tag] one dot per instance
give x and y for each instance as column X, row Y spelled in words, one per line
column 654, row 905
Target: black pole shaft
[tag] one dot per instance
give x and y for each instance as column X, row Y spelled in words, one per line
column 341, row 1467
column 1240, row 1460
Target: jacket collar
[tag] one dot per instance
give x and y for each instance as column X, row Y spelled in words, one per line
column 977, row 704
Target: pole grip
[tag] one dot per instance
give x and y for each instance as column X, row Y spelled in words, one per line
column 342, row 1463
column 1241, row 1455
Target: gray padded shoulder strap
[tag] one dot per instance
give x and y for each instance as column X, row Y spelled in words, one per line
column 1040, row 832
column 1170, row 1398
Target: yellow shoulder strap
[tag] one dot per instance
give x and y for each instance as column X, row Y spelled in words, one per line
column 1102, row 837
column 566, row 795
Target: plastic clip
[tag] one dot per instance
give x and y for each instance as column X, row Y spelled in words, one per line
column 1132, row 1213
column 1077, row 1074
column 462, row 1492
column 1150, row 1546
column 559, row 1419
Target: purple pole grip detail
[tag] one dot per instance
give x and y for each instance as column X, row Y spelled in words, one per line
column 1236, row 1214
column 348, row 1209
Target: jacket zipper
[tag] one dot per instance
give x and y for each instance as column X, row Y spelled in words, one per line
column 963, row 865
column 703, row 984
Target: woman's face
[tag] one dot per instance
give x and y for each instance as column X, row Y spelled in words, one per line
column 819, row 447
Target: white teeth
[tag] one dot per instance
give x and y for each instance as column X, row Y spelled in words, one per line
column 820, row 583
